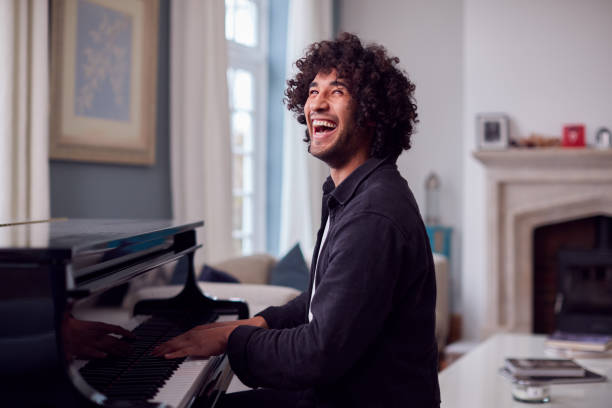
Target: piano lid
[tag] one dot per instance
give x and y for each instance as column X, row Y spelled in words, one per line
column 61, row 239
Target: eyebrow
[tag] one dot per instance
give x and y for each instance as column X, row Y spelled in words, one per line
column 336, row 82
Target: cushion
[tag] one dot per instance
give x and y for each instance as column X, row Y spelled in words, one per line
column 249, row 269
column 210, row 274
column 291, row 270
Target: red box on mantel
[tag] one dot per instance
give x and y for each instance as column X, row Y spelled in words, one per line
column 573, row 136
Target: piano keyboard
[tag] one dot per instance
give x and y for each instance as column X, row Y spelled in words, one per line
column 142, row 377
column 180, row 388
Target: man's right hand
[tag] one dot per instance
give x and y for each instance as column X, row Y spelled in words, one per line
column 205, row 340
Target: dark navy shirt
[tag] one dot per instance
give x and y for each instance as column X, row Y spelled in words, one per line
column 371, row 340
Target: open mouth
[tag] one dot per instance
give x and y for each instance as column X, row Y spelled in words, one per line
column 323, row 127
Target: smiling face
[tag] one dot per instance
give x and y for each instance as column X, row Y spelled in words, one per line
column 330, row 118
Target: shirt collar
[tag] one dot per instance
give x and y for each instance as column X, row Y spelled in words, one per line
column 346, row 189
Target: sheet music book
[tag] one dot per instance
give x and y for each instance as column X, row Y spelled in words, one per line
column 588, row 377
column 576, row 341
column 544, row 367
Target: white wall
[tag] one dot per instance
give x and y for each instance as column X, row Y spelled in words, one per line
column 544, row 63
column 427, row 37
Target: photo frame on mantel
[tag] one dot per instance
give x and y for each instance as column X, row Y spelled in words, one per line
column 492, row 131
column 104, row 74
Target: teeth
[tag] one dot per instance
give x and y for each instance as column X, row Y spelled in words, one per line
column 318, row 122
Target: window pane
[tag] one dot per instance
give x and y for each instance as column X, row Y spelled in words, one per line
column 230, row 8
column 245, row 23
column 242, row 131
column 242, row 90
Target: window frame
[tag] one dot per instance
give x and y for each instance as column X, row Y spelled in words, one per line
column 255, row 60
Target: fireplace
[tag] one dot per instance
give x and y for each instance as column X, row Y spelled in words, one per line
column 572, row 276
column 528, row 190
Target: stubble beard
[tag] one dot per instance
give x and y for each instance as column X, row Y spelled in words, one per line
column 339, row 152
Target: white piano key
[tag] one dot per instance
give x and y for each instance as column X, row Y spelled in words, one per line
column 180, row 388
column 182, row 385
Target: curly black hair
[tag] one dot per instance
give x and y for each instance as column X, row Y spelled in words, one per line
column 383, row 93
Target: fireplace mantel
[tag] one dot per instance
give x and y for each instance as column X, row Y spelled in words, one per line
column 546, row 157
column 528, row 188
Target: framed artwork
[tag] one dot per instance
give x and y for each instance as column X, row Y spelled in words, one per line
column 103, row 80
column 492, row 129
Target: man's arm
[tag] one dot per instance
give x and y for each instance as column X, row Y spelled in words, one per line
column 291, row 314
column 211, row 339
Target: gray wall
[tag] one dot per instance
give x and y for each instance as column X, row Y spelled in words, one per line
column 89, row 190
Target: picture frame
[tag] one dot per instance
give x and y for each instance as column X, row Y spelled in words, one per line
column 492, row 131
column 103, row 81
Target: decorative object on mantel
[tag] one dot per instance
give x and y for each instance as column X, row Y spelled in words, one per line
column 432, row 199
column 603, row 138
column 492, row 131
column 536, row 140
column 573, row 136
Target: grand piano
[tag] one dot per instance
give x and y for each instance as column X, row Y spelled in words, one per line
column 76, row 330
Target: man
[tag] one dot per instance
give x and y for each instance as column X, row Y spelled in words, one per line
column 363, row 335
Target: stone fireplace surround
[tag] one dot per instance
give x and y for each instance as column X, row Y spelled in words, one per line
column 526, row 189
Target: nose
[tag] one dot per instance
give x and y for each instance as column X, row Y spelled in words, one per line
column 319, row 103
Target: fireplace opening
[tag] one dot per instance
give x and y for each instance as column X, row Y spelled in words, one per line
column 572, row 279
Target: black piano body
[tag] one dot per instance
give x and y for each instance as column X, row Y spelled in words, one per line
column 62, row 281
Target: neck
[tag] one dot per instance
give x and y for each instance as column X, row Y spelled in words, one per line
column 339, row 174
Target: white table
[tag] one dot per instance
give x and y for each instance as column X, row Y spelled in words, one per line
column 473, row 380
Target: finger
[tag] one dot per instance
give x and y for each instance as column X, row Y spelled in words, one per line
column 91, row 352
column 163, row 348
column 111, row 345
column 111, row 328
column 183, row 352
column 217, row 324
column 169, row 346
column 173, row 342
column 120, row 348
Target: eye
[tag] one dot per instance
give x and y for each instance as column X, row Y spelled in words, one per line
column 313, row 92
column 338, row 91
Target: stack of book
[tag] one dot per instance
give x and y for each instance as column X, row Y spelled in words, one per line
column 583, row 345
column 546, row 370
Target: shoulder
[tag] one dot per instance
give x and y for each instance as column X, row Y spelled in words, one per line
column 385, row 194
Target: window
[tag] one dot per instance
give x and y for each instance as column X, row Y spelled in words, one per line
column 246, row 35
